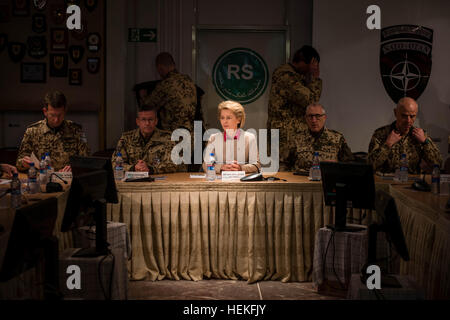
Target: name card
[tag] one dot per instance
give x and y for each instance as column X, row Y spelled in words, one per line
column 232, row 175
column 198, row 176
column 62, row 175
column 135, row 175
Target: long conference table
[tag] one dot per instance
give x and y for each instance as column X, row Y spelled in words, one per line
column 192, row 229
column 188, row 228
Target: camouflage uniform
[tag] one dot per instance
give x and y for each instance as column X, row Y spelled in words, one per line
column 385, row 159
column 176, row 98
column 155, row 152
column 63, row 142
column 290, row 94
column 330, row 144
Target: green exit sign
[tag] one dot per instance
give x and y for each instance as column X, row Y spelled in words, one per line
column 141, row 35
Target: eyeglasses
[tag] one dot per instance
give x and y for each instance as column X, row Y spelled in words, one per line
column 317, row 116
column 147, row 120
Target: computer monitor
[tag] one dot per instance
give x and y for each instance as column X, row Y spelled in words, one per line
column 388, row 221
column 82, row 165
column 33, row 225
column 347, row 185
column 92, row 186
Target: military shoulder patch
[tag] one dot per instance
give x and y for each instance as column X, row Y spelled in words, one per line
column 73, row 124
column 35, row 124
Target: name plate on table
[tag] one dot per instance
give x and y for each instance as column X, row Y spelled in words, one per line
column 135, row 175
column 62, row 175
column 232, row 175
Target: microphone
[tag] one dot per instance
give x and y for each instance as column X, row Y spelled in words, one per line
column 52, row 187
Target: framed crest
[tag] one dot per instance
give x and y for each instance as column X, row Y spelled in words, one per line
column 58, row 65
column 76, row 53
column 93, row 65
column 37, row 46
column 16, row 51
column 59, row 39
column 40, row 4
column 93, row 42
column 39, row 23
column 75, row 77
column 21, row 8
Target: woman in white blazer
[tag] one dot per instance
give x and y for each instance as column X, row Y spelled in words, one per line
column 234, row 149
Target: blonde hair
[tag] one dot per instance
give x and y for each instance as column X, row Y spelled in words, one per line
column 236, row 108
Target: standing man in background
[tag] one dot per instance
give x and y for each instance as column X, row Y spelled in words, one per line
column 175, row 96
column 59, row 137
column 294, row 86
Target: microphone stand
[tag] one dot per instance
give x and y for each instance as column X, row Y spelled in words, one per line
column 54, row 174
column 52, row 187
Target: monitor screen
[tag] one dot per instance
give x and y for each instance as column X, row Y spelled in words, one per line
column 355, row 178
column 32, row 225
column 82, row 165
column 93, row 179
column 389, row 222
column 347, row 185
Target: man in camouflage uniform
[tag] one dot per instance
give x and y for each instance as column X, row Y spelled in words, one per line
column 59, row 137
column 294, row 86
column 146, row 148
column 330, row 144
column 175, row 96
column 388, row 143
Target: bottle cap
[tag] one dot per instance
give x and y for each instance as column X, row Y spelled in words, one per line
column 31, row 164
column 119, row 154
column 43, row 158
column 15, row 175
column 316, row 153
column 47, row 154
column 403, row 155
column 211, row 154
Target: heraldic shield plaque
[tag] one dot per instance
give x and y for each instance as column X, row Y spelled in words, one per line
column 405, row 60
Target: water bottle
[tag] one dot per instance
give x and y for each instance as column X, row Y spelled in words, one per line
column 50, row 169
column 42, row 171
column 33, row 186
column 16, row 193
column 210, row 169
column 118, row 168
column 314, row 171
column 436, row 179
column 403, row 168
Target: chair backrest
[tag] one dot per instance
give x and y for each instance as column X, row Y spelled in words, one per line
column 104, row 153
column 360, row 157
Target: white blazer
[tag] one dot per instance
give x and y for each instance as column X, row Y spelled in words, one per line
column 242, row 147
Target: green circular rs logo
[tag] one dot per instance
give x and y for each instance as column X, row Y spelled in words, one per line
column 240, row 74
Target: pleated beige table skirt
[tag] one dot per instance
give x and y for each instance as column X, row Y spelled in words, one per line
column 190, row 229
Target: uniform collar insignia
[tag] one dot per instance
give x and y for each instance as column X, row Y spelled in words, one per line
column 54, row 130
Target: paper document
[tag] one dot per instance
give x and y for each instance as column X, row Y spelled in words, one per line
column 35, row 160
